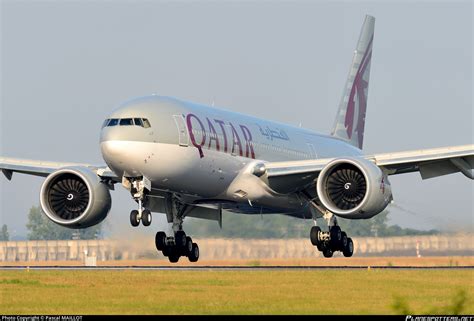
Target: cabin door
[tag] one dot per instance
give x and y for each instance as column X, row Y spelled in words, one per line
column 182, row 130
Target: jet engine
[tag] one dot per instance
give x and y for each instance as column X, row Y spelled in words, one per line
column 74, row 197
column 353, row 188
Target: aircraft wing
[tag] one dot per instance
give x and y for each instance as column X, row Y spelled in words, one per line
column 429, row 162
column 8, row 166
column 291, row 176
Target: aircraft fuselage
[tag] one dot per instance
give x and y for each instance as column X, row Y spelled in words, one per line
column 198, row 151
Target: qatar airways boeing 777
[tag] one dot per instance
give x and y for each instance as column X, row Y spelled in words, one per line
column 189, row 160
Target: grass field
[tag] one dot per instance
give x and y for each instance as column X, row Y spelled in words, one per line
column 335, row 261
column 370, row 291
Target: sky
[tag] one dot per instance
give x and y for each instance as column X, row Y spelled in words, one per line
column 66, row 65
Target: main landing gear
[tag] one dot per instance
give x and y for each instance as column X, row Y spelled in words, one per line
column 333, row 240
column 177, row 246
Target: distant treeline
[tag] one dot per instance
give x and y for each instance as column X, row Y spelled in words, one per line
column 280, row 226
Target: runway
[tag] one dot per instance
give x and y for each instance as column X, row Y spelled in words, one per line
column 232, row 268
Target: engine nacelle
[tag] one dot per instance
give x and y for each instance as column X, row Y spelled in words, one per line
column 74, row 197
column 354, row 188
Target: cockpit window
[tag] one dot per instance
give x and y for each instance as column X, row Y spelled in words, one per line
column 126, row 122
column 113, row 122
column 142, row 122
column 105, row 123
column 138, row 122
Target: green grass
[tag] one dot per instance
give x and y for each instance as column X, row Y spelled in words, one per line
column 237, row 292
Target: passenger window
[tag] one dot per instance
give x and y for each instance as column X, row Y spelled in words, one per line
column 138, row 122
column 113, row 122
column 146, row 123
column 126, row 122
column 105, row 123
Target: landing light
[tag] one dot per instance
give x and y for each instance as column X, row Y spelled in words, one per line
column 259, row 170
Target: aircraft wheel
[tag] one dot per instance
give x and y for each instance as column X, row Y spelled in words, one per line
column 134, row 218
column 189, row 245
column 146, row 217
column 327, row 253
column 160, row 241
column 349, row 249
column 180, row 239
column 335, row 233
column 173, row 258
column 343, row 243
column 167, row 251
column 194, row 254
column 314, row 235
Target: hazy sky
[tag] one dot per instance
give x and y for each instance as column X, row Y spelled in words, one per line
column 66, row 65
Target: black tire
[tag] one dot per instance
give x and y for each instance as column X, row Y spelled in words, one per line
column 343, row 243
column 180, row 239
column 146, row 217
column 134, row 218
column 189, row 245
column 314, row 235
column 320, row 247
column 194, row 255
column 349, row 249
column 336, row 235
column 167, row 251
column 160, row 241
column 328, row 253
column 173, row 258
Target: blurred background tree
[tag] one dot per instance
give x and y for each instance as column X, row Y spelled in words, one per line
column 41, row 228
column 4, row 235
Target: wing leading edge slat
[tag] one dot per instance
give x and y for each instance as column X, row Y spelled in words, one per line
column 8, row 166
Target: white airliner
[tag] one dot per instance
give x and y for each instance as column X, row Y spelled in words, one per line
column 189, row 160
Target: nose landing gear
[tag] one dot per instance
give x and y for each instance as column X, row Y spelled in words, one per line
column 139, row 187
column 142, row 214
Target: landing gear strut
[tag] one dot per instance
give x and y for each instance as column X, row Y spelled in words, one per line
column 333, row 240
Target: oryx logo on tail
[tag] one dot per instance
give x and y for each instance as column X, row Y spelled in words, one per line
column 357, row 104
column 350, row 120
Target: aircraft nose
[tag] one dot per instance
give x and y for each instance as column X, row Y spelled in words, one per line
column 120, row 157
column 115, row 154
column 108, row 134
column 112, row 149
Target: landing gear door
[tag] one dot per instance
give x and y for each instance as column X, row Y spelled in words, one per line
column 182, row 130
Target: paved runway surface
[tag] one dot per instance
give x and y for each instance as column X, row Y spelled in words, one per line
column 231, row 268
